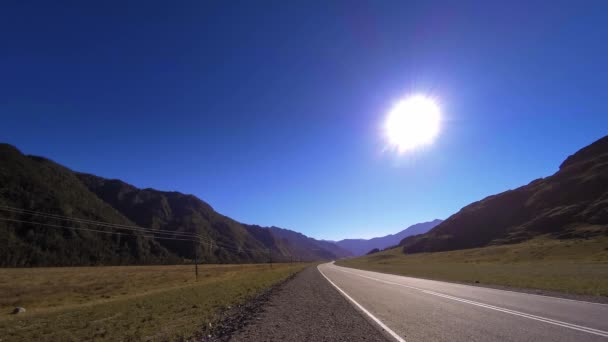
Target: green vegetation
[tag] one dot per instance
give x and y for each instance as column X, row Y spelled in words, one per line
column 38, row 184
column 129, row 303
column 37, row 194
column 574, row 266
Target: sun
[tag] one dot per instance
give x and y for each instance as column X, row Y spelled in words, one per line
column 413, row 122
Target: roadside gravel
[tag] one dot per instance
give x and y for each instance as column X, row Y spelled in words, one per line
column 307, row 308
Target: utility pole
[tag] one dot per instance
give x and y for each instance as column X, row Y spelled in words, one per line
column 195, row 259
column 270, row 256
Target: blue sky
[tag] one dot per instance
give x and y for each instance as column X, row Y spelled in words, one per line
column 271, row 110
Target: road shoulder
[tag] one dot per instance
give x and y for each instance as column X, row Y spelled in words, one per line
column 306, row 308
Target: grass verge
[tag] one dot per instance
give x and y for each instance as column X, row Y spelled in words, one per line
column 569, row 266
column 127, row 303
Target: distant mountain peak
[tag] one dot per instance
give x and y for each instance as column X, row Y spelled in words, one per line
column 363, row 246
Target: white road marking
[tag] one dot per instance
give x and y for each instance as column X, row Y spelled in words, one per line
column 360, row 307
column 502, row 290
column 492, row 307
column 523, row 314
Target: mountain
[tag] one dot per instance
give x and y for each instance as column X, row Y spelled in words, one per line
column 308, row 247
column 40, row 185
column 362, row 246
column 39, row 198
column 572, row 203
column 186, row 213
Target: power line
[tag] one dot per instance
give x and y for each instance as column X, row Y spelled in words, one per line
column 99, row 223
column 195, row 238
column 89, row 229
column 108, row 232
column 179, row 236
column 209, row 242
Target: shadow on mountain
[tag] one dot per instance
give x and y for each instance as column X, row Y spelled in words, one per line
column 572, row 203
column 52, row 194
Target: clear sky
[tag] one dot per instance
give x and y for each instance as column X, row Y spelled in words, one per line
column 271, row 111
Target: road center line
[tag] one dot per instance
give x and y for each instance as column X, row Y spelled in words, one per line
column 360, row 307
column 523, row 314
column 488, row 306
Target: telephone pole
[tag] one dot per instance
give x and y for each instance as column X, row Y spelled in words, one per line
column 270, row 256
column 195, row 259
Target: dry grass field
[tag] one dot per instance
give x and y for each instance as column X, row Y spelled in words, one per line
column 128, row 303
column 571, row 266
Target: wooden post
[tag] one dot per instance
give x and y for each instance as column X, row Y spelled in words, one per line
column 195, row 260
column 270, row 256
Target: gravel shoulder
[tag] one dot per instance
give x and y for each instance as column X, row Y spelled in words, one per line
column 306, row 308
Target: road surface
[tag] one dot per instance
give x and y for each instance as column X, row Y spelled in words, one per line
column 413, row 309
column 307, row 308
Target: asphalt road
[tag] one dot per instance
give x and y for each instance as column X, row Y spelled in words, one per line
column 412, row 309
column 308, row 308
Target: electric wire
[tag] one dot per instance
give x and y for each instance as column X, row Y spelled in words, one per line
column 182, row 235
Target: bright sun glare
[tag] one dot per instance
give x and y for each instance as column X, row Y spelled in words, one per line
column 412, row 122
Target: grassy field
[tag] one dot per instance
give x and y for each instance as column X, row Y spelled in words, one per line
column 127, row 303
column 571, row 266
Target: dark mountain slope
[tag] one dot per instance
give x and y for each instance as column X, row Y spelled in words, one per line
column 227, row 240
column 363, row 246
column 571, row 203
column 40, row 185
column 47, row 188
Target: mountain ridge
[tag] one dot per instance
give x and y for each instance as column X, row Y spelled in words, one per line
column 45, row 188
column 571, row 203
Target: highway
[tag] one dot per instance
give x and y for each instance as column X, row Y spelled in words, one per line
column 413, row 309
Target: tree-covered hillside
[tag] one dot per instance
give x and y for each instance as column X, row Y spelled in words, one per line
column 50, row 215
column 41, row 186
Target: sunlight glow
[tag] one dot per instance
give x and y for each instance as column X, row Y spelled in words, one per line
column 412, row 122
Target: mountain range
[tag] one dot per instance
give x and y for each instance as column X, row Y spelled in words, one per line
column 572, row 203
column 362, row 246
column 53, row 216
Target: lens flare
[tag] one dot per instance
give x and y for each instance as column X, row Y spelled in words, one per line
column 412, row 123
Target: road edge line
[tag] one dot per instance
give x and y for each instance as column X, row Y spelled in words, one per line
column 492, row 307
column 362, row 309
